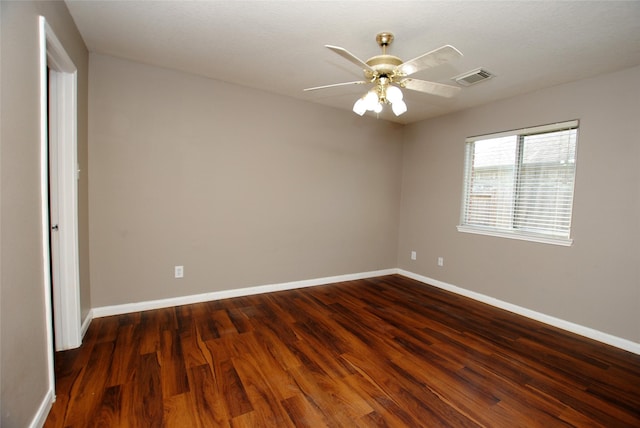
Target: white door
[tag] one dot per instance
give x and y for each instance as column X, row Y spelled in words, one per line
column 54, row 215
column 61, row 175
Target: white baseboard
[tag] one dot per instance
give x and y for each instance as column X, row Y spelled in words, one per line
column 85, row 324
column 609, row 339
column 591, row 333
column 225, row 294
column 43, row 411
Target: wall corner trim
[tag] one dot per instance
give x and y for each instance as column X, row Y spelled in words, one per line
column 581, row 330
column 126, row 308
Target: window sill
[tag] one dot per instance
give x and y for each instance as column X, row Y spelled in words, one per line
column 566, row 242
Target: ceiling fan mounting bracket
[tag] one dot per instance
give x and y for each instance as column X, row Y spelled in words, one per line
column 384, row 39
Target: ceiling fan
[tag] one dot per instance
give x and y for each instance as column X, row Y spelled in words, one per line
column 389, row 73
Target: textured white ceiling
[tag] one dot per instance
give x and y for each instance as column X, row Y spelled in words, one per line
column 278, row 46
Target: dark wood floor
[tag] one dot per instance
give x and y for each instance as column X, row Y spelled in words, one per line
column 380, row 352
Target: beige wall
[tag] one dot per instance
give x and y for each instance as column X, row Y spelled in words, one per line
column 595, row 282
column 240, row 186
column 23, row 366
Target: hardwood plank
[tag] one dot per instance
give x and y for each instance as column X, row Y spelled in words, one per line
column 108, row 329
column 387, row 412
column 208, row 329
column 86, row 394
column 173, row 374
column 69, row 365
column 247, row 420
column 180, row 411
column 150, row 340
column 278, row 349
column 239, row 319
column 125, row 354
column 385, row 351
column 193, row 348
column 329, row 395
column 129, row 404
column 303, row 413
column 148, row 392
column 259, row 369
column 263, row 392
column 109, row 411
column 223, row 323
column 232, row 389
column 211, row 407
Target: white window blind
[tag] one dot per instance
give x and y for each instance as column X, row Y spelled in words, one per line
column 519, row 184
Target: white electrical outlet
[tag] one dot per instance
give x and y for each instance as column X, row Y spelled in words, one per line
column 178, row 271
column 440, row 261
column 414, row 256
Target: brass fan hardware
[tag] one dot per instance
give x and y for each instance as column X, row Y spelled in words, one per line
column 384, row 40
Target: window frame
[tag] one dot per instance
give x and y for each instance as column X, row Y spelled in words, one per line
column 514, row 233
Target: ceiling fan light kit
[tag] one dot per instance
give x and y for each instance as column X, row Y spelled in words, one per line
column 382, row 94
column 389, row 73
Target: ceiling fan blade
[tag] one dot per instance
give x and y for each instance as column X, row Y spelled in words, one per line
column 430, row 59
column 432, row 88
column 350, row 57
column 359, row 82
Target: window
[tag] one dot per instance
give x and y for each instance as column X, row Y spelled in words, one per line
column 519, row 184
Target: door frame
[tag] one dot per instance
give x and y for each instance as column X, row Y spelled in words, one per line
column 63, row 302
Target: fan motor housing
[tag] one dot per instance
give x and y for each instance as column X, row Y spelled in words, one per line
column 382, row 64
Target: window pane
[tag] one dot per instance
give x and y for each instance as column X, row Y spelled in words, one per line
column 545, row 193
column 491, row 189
column 557, row 147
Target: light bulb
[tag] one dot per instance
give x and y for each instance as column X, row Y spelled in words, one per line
column 360, row 107
column 371, row 100
column 398, row 107
column 377, row 108
column 394, row 94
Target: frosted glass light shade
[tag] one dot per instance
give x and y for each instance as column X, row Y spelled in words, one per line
column 360, row 107
column 399, row 107
column 394, row 94
column 371, row 100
